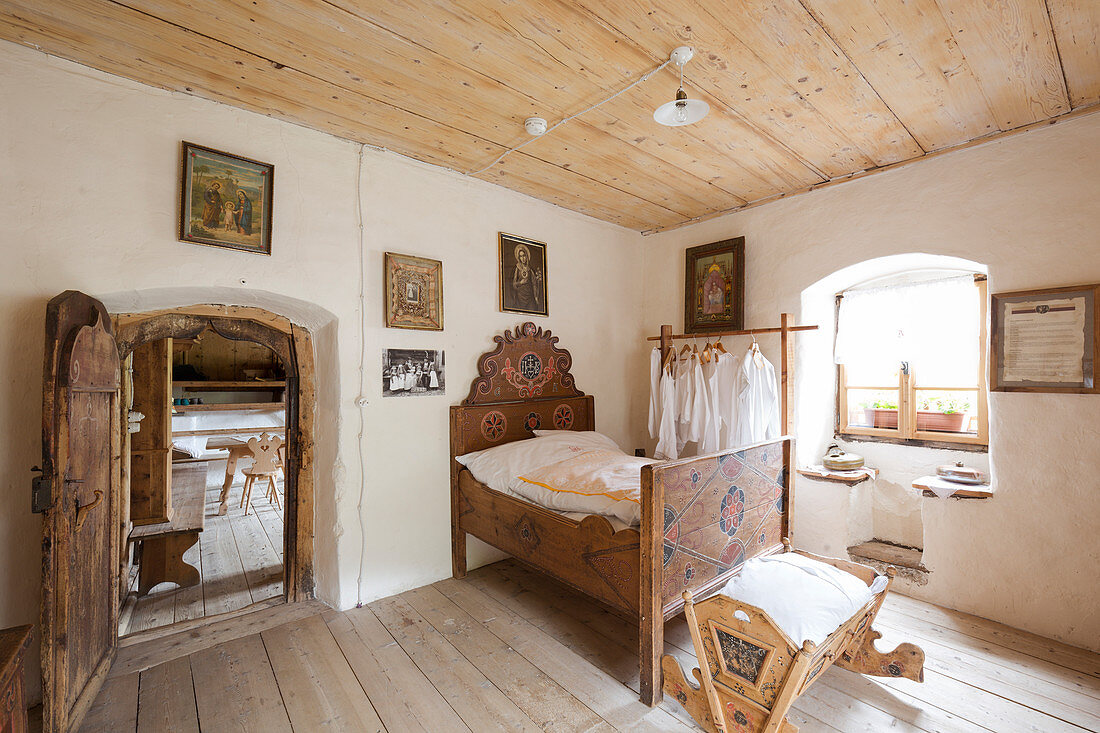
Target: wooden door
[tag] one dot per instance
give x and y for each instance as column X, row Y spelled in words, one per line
column 151, row 447
column 78, row 492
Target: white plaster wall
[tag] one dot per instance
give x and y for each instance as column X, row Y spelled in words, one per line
column 88, row 200
column 1026, row 206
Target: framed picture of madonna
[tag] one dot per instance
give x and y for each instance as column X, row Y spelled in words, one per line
column 523, row 286
column 714, row 287
column 225, row 200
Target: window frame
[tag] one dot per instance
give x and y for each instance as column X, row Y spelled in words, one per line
column 906, row 432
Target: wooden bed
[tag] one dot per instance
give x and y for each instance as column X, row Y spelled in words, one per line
column 701, row 517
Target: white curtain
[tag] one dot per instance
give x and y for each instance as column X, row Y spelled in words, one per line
column 933, row 325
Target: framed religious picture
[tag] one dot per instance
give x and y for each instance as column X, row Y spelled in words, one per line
column 523, row 286
column 1045, row 340
column 414, row 292
column 225, row 200
column 714, row 287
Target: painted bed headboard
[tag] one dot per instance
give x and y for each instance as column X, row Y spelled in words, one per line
column 522, row 385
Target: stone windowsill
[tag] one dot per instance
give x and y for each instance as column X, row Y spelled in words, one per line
column 962, row 491
column 850, row 478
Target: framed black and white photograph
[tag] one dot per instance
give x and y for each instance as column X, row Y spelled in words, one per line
column 523, row 286
column 412, row 373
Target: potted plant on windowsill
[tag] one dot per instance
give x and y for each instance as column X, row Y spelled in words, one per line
column 881, row 414
column 945, row 415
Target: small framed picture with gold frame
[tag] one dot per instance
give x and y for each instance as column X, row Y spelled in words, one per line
column 414, row 292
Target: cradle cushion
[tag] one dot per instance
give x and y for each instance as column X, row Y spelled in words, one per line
column 498, row 467
column 806, row 598
column 606, row 482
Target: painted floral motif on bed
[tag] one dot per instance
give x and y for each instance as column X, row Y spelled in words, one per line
column 525, row 365
column 746, row 491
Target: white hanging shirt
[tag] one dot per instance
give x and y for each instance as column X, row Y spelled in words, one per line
column 713, row 425
column 666, row 428
column 698, row 417
column 654, row 392
column 757, row 403
column 681, row 373
column 727, row 373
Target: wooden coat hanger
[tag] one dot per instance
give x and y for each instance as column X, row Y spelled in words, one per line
column 719, row 347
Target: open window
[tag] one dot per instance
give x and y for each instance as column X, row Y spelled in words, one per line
column 911, row 360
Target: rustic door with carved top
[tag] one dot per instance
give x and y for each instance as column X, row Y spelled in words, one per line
column 78, row 493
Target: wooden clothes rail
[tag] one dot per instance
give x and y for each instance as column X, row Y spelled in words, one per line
column 786, row 369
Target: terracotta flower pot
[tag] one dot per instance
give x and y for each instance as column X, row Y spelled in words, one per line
column 946, row 422
column 879, row 418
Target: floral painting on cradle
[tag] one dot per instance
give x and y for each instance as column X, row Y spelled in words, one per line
column 523, row 286
column 714, row 288
column 413, row 292
column 225, row 200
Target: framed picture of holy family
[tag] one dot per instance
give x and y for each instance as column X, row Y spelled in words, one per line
column 714, row 287
column 225, row 200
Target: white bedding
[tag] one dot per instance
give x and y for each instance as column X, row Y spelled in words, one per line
column 192, row 446
column 606, row 482
column 498, row 467
column 501, row 467
column 807, row 599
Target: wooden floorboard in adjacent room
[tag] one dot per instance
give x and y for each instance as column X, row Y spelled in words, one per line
column 507, row 648
column 240, row 559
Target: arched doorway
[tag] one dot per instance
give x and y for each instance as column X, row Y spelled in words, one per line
column 293, row 347
column 79, row 489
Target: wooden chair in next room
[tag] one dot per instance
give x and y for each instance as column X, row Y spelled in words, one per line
column 265, row 464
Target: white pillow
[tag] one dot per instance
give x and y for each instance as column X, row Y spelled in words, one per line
column 599, row 441
column 498, row 466
column 807, row 599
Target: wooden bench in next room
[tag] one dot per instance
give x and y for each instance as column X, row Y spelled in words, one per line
column 163, row 545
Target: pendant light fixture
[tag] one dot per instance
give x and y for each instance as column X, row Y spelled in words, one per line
column 681, row 110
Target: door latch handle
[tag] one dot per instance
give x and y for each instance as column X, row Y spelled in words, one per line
column 82, row 511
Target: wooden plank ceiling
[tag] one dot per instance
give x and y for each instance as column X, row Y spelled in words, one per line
column 802, row 92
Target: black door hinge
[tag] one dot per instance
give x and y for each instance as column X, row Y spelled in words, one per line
column 40, row 494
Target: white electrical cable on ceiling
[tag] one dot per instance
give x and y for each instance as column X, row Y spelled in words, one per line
column 361, row 399
column 558, row 124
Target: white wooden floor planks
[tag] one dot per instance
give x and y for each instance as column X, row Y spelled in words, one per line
column 508, row 649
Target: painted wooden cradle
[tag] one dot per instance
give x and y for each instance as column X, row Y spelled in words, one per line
column 701, row 517
column 754, row 671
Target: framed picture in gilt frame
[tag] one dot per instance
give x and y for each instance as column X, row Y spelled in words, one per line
column 414, row 292
column 714, row 288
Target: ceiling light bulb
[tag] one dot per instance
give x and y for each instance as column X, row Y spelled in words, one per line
column 681, row 110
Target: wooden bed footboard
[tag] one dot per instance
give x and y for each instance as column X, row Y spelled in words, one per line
column 702, row 518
